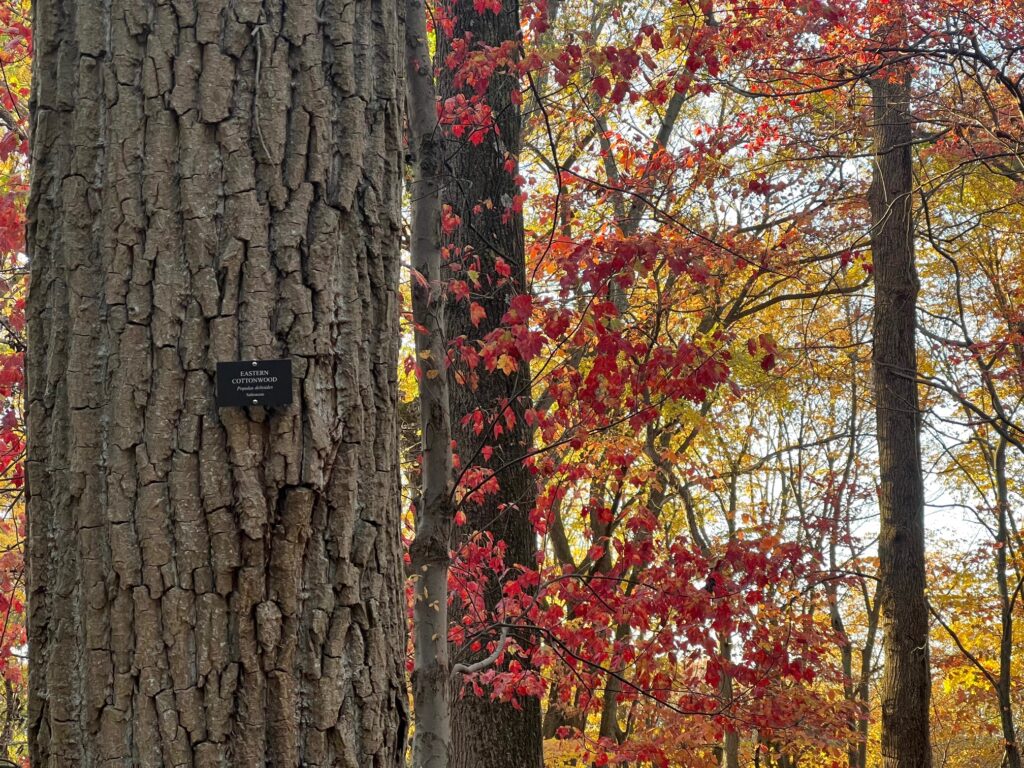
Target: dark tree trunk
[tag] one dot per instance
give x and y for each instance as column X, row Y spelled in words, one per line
column 1004, row 687
column 905, row 686
column 729, row 756
column 481, row 189
column 212, row 587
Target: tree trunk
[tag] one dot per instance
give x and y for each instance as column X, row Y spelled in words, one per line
column 430, row 550
column 482, row 190
column 1004, row 689
column 905, row 686
column 214, row 587
column 730, row 749
column 863, row 696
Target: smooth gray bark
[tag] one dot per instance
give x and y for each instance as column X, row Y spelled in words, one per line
column 430, row 550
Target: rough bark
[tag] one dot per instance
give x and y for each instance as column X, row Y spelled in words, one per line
column 430, row 550
column 906, row 687
column 486, row 732
column 214, row 180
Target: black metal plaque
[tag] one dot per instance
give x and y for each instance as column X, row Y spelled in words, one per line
column 266, row 383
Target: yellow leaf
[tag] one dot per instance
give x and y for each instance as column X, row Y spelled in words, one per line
column 507, row 364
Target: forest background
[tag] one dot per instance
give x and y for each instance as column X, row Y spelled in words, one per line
column 693, row 327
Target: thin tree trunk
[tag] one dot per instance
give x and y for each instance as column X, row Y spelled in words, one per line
column 1012, row 758
column 482, row 190
column 864, row 681
column 905, row 687
column 213, row 587
column 835, row 507
column 609, row 728
column 12, row 721
column 730, row 749
column 430, row 550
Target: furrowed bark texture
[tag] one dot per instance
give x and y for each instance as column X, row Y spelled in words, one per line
column 481, row 190
column 214, row 180
column 906, row 686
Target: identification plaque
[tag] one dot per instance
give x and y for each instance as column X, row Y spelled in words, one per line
column 266, row 383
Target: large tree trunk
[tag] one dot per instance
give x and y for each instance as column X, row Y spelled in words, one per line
column 209, row 587
column 481, row 190
column 905, row 687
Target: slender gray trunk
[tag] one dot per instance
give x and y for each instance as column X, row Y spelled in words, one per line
column 430, row 550
column 730, row 750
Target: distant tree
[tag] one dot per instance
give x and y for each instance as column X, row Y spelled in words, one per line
column 903, row 606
